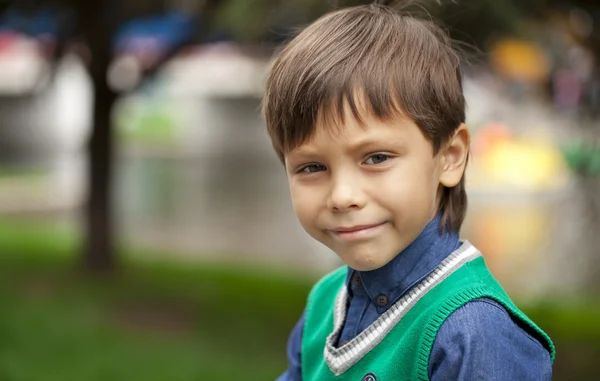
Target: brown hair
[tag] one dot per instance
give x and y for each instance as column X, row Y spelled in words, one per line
column 400, row 66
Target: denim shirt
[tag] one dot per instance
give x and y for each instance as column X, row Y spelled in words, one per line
column 479, row 341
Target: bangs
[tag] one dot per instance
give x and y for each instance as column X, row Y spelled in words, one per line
column 357, row 101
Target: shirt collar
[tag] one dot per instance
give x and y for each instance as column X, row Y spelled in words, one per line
column 409, row 267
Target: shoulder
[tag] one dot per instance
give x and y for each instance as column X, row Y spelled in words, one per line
column 488, row 317
column 482, row 337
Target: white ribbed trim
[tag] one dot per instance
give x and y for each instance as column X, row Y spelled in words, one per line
column 341, row 359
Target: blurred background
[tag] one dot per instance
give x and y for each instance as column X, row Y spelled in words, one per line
column 146, row 230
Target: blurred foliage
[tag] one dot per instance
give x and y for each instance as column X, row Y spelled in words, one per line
column 153, row 123
column 475, row 22
column 168, row 321
column 583, row 158
column 256, row 20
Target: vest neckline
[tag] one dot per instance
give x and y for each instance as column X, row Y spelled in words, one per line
column 341, row 359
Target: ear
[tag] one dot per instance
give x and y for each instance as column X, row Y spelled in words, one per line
column 453, row 157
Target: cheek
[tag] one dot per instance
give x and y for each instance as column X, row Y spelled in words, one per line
column 305, row 204
column 409, row 187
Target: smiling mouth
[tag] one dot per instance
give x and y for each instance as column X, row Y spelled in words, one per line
column 355, row 232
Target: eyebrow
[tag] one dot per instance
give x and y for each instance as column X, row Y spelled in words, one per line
column 304, row 151
column 363, row 143
column 366, row 142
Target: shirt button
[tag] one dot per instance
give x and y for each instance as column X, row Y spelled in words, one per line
column 382, row 300
column 369, row 377
column 356, row 279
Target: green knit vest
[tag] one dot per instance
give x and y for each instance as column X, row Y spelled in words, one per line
column 398, row 344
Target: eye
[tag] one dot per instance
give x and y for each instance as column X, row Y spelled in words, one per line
column 378, row 158
column 312, row 168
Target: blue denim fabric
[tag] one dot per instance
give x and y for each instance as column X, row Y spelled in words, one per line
column 479, row 341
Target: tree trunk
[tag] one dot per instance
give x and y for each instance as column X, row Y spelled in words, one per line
column 99, row 250
column 97, row 25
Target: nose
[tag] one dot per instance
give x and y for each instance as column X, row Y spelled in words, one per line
column 345, row 194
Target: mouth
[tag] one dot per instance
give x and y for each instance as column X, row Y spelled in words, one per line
column 356, row 232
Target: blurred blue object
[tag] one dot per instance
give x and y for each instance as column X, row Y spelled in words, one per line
column 44, row 21
column 166, row 31
column 162, row 32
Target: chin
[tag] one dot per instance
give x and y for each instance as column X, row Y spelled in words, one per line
column 363, row 262
column 366, row 267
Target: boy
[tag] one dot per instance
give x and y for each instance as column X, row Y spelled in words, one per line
column 366, row 111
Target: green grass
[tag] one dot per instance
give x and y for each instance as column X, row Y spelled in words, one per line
column 174, row 321
column 151, row 321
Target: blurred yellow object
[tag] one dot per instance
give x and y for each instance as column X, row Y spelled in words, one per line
column 519, row 60
column 523, row 165
column 510, row 235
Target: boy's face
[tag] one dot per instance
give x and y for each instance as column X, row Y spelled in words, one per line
column 368, row 191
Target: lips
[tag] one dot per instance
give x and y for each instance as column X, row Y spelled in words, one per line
column 353, row 228
column 357, row 231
